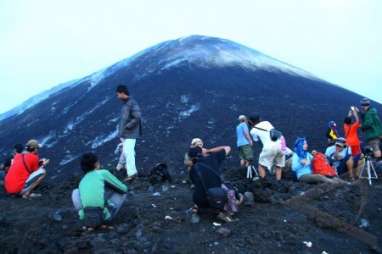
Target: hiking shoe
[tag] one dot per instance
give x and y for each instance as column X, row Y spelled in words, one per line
column 130, row 178
column 224, row 217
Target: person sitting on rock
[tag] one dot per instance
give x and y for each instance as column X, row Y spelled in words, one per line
column 100, row 194
column 26, row 171
column 205, row 175
column 302, row 165
column 272, row 154
column 340, row 157
column 331, row 133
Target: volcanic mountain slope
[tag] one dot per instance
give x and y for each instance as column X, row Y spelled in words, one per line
column 189, row 87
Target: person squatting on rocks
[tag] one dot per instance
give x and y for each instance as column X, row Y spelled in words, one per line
column 209, row 191
column 302, row 165
column 332, row 133
column 99, row 196
column 244, row 142
column 26, row 171
column 130, row 129
column 272, row 154
column 371, row 127
column 340, row 157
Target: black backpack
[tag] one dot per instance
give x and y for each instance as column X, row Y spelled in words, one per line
column 274, row 134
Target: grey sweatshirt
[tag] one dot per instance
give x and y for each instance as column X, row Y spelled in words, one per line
column 130, row 123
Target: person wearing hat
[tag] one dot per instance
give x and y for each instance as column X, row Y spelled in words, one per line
column 26, row 172
column 340, row 157
column 371, row 127
column 204, row 173
column 244, row 142
column 332, row 133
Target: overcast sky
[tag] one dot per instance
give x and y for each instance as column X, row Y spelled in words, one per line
column 46, row 42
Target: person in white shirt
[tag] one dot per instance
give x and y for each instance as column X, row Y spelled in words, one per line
column 271, row 154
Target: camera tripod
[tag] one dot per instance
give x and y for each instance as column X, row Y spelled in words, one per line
column 369, row 170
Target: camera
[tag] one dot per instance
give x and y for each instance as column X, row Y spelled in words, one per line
column 368, row 151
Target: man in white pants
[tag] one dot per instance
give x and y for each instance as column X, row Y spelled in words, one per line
column 129, row 129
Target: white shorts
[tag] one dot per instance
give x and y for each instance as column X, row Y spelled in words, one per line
column 272, row 156
column 33, row 178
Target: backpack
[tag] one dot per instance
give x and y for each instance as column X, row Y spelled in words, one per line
column 274, row 134
column 321, row 166
column 159, row 173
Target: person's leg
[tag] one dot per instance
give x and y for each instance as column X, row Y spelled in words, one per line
column 280, row 164
column 129, row 153
column 115, row 202
column 262, row 171
column 121, row 162
column 265, row 162
column 33, row 181
column 350, row 166
column 279, row 172
column 315, row 178
column 76, row 199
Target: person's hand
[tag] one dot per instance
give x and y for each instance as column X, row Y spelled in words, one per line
column 45, row 162
column 304, row 162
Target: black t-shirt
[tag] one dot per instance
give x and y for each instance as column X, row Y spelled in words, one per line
column 209, row 169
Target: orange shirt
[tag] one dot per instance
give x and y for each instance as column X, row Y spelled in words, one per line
column 351, row 134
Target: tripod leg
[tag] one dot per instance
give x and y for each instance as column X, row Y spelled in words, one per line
column 368, row 174
column 374, row 172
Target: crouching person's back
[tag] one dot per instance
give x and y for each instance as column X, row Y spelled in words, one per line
column 100, row 194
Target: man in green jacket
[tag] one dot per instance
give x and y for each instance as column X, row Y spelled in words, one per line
column 372, row 127
column 100, row 194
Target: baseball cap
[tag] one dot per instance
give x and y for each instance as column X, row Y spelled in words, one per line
column 197, row 142
column 242, row 118
column 33, row 143
column 365, row 102
column 340, row 142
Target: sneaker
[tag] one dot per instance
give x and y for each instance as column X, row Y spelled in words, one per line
column 119, row 167
column 224, row 217
column 130, row 178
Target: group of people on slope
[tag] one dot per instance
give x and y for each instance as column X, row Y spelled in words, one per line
column 341, row 156
column 100, row 195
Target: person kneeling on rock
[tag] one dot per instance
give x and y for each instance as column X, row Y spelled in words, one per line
column 100, row 194
column 209, row 191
